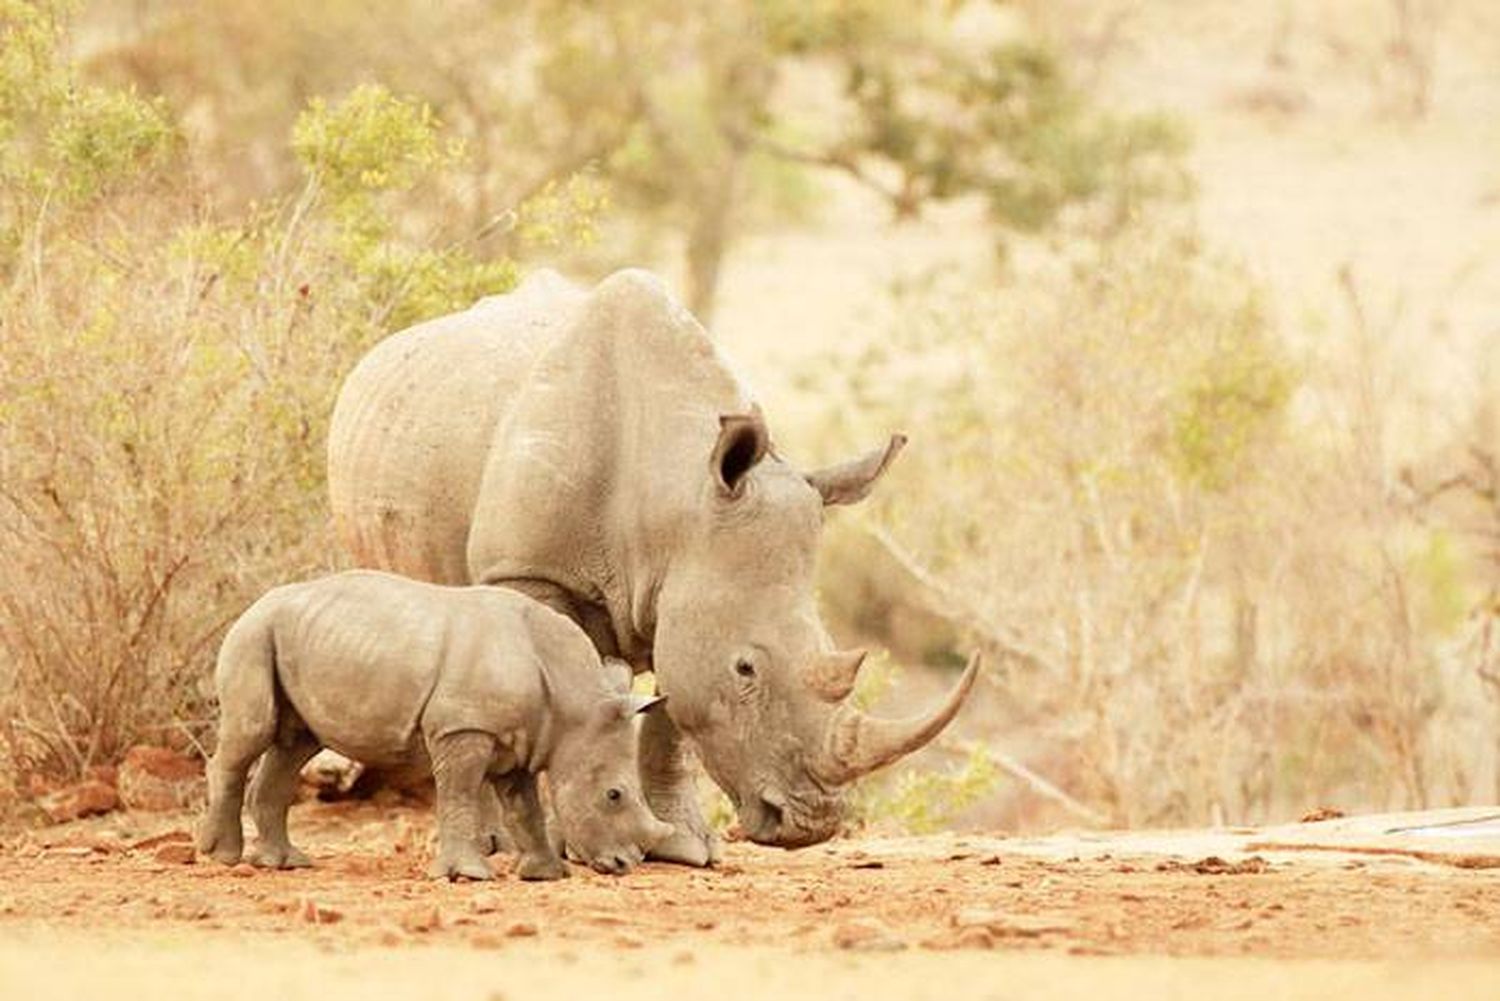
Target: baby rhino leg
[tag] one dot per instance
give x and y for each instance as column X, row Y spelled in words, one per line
column 272, row 792
column 459, row 763
column 245, row 680
column 527, row 825
column 222, row 836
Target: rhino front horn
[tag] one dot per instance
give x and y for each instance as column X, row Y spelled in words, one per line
column 857, row 743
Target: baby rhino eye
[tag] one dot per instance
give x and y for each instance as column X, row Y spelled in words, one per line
column 744, row 668
column 613, row 795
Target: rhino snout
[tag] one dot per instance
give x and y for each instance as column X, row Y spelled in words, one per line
column 770, row 818
column 617, row 863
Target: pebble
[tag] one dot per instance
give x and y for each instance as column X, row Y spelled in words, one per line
column 484, row 903
column 422, row 919
column 1004, row 925
column 867, row 935
column 486, row 940
column 520, row 929
column 315, row 913
column 175, row 853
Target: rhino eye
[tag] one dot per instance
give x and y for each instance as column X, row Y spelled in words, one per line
column 613, row 795
column 744, row 668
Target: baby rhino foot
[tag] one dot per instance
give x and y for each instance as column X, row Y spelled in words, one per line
column 273, row 856
column 539, row 866
column 221, row 846
column 460, row 865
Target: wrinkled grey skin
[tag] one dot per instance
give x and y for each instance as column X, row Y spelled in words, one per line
column 591, row 448
column 485, row 684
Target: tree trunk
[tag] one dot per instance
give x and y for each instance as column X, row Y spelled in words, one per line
column 708, row 239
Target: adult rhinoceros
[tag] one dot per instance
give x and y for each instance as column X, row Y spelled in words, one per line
column 591, row 448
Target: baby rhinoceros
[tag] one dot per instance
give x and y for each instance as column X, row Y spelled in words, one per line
column 484, row 684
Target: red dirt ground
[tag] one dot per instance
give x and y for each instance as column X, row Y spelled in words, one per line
column 130, row 872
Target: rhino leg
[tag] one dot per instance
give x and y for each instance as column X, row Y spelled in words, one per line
column 245, row 678
column 459, row 763
column 222, row 837
column 667, row 778
column 526, row 822
column 271, row 796
column 493, row 837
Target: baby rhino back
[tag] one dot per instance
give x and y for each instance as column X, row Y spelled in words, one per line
column 360, row 654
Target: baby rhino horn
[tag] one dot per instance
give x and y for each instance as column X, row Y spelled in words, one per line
column 637, row 704
column 831, row 676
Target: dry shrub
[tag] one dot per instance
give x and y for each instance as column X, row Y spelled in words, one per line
column 1203, row 599
column 165, row 381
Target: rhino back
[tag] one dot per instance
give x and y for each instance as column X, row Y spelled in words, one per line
column 357, row 656
column 412, row 427
column 603, row 455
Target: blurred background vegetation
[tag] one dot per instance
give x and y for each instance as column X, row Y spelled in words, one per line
column 1230, row 553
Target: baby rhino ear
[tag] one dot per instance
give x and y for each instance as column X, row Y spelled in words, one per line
column 618, row 675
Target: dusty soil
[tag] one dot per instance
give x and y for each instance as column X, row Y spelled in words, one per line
column 115, row 892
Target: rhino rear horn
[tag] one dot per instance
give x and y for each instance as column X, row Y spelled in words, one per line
column 831, row 676
column 743, row 442
column 851, row 482
column 857, row 743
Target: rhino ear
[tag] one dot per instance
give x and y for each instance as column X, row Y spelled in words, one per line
column 618, row 675
column 743, row 442
column 851, row 482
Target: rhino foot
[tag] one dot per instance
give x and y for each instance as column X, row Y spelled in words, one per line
column 537, row 867
column 456, row 865
column 687, row 846
column 273, row 856
column 494, row 842
column 221, row 847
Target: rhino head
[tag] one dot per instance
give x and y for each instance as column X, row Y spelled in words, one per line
column 750, row 672
column 596, row 789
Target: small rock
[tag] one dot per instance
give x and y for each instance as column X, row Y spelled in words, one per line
column 315, row 913
column 68, row 851
column 422, row 919
column 604, row 918
column 156, row 840
column 159, row 778
column 175, row 853
column 1002, row 925
column 628, row 941
column 486, row 940
column 866, row 935
column 1321, row 814
column 520, row 929
column 84, row 799
column 484, row 903
column 1215, row 866
column 242, row 870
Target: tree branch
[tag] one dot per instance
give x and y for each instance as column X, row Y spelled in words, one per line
column 945, row 601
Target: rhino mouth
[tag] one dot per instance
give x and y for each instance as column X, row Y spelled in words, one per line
column 616, row 863
column 770, row 817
